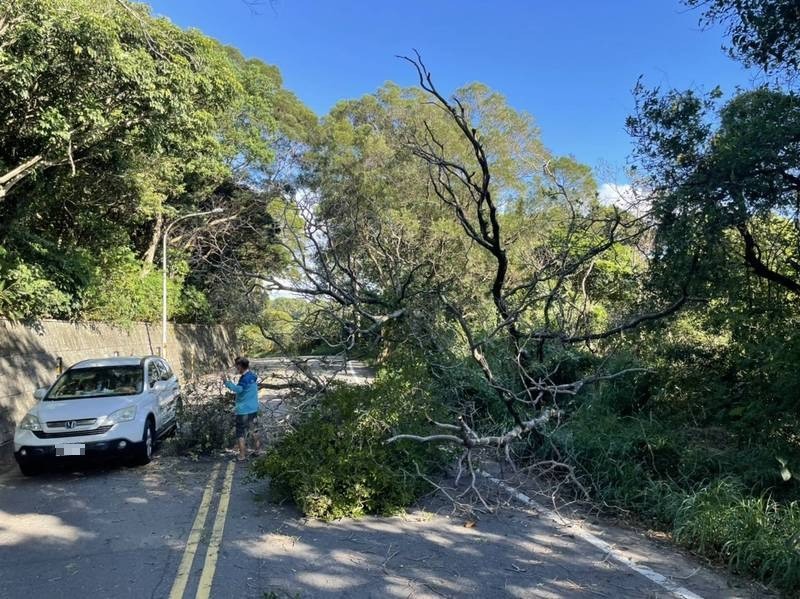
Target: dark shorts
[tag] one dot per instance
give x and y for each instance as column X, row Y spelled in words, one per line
column 244, row 422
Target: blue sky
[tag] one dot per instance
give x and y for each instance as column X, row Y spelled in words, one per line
column 570, row 63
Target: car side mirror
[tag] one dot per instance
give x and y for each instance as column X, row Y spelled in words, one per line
column 39, row 394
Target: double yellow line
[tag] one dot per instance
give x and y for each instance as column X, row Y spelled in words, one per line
column 193, row 542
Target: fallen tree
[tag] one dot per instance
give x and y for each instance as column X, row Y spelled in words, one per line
column 409, row 240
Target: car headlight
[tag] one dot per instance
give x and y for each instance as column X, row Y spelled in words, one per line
column 123, row 415
column 30, row 423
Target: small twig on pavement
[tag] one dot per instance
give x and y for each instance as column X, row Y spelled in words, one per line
column 688, row 576
column 389, row 556
column 515, row 568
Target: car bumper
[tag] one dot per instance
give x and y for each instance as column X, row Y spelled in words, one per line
column 122, row 439
column 96, row 449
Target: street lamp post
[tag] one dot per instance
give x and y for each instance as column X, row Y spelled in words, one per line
column 164, row 274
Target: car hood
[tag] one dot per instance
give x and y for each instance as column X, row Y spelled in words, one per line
column 76, row 409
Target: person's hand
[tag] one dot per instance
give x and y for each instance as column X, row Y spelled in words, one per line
column 224, row 378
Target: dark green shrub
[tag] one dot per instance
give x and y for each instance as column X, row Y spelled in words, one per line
column 627, row 395
column 754, row 535
column 717, row 495
column 336, row 463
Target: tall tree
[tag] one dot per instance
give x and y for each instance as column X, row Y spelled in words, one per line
column 724, row 170
column 114, row 122
column 729, row 170
column 765, row 33
column 445, row 227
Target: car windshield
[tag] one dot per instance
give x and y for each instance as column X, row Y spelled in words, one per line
column 104, row 381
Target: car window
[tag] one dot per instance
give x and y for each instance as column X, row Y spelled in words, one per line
column 166, row 371
column 153, row 374
column 161, row 370
column 104, row 381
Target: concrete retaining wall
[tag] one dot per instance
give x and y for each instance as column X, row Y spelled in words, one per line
column 29, row 354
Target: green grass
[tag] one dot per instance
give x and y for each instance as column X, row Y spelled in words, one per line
column 721, row 493
column 754, row 535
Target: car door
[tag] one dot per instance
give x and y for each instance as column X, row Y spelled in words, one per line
column 170, row 391
column 155, row 391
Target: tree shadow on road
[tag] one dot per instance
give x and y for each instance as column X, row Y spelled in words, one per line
column 98, row 530
column 427, row 553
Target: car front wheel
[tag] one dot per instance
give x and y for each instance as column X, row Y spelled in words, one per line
column 29, row 469
column 144, row 452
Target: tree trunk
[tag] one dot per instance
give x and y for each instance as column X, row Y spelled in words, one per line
column 15, row 175
column 150, row 254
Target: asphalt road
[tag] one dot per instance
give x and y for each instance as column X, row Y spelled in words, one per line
column 353, row 371
column 180, row 528
column 119, row 532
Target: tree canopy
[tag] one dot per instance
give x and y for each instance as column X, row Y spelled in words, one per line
column 113, row 123
column 765, row 33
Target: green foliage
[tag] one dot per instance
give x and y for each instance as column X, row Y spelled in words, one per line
column 253, row 342
column 765, row 33
column 280, row 329
column 754, row 535
column 704, row 444
column 121, row 292
column 27, row 292
column 336, row 462
column 115, row 122
column 716, row 430
column 726, row 175
column 716, row 497
column 193, row 306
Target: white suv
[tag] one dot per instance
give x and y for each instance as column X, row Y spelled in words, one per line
column 105, row 407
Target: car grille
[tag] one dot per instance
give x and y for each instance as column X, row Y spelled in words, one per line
column 95, row 431
column 63, row 423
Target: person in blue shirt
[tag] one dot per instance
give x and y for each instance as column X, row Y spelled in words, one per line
column 246, row 391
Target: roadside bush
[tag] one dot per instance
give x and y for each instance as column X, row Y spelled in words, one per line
column 336, row 463
column 755, row 535
column 717, row 491
column 28, row 291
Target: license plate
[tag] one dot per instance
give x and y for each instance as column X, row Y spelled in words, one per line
column 71, row 449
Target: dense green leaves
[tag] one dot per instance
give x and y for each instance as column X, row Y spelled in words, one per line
column 113, row 123
column 719, row 181
column 336, row 462
column 706, row 444
column 763, row 32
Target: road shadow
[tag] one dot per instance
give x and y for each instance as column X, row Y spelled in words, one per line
column 426, row 553
column 109, row 531
column 100, row 530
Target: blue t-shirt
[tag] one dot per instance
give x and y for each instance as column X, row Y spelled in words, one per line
column 246, row 393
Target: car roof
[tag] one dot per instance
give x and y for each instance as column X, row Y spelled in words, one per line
column 114, row 361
